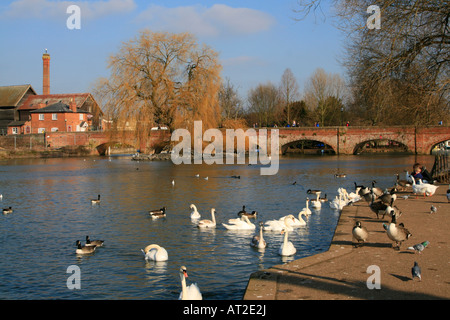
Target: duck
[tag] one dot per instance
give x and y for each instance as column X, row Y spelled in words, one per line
column 309, row 191
column 96, row 201
column 397, row 233
column 194, row 214
column 258, row 240
column 430, row 189
column 159, row 213
column 341, row 175
column 155, row 252
column 7, row 210
column 277, row 225
column 208, row 223
column 84, row 249
column 360, row 233
column 239, row 224
column 287, row 247
column 316, row 203
column 448, row 193
column 191, row 292
column 98, row 243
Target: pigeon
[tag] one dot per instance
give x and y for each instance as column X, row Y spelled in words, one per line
column 433, row 209
column 416, row 272
column 419, row 247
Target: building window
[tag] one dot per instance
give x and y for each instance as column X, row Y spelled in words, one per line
column 81, row 117
column 41, row 130
column 41, row 116
column 69, row 128
column 54, row 116
column 54, row 129
column 27, row 129
column 15, row 130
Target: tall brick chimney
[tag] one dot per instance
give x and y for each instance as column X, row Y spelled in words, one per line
column 46, row 73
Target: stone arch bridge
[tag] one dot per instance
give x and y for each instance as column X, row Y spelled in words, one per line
column 342, row 140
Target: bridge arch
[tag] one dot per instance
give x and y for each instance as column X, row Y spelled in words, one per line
column 114, row 147
column 380, row 145
column 307, row 146
column 435, row 144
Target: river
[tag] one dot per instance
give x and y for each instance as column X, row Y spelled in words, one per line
column 52, row 209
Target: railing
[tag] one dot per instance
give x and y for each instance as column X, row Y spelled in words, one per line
column 441, row 169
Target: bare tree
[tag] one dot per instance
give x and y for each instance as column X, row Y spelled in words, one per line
column 289, row 91
column 230, row 102
column 264, row 102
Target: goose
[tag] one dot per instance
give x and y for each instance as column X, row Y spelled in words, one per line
column 208, row 223
column 430, row 189
column 96, row 201
column 194, row 214
column 402, row 183
column 324, row 199
column 448, row 193
column 258, row 240
column 84, row 249
column 312, row 191
column 97, row 243
column 418, row 188
column 277, row 225
column 316, row 203
column 7, row 210
column 377, row 191
column 397, row 233
column 155, row 253
column 378, row 208
column 389, row 197
column 390, row 207
column 159, row 213
column 360, row 233
column 239, row 224
column 191, row 292
column 250, row 214
column 287, row 247
column 242, row 211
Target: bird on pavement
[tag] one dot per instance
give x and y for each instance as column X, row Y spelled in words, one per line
column 433, row 209
column 360, row 233
column 416, row 272
column 419, row 247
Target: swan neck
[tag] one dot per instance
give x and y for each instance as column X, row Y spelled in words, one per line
column 183, row 287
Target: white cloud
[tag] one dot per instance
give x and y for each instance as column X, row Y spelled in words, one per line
column 46, row 9
column 217, row 20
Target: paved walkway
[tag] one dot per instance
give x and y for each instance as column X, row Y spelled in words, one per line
column 341, row 272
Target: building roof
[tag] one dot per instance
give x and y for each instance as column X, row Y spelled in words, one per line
column 32, row 102
column 10, row 96
column 57, row 108
column 16, row 123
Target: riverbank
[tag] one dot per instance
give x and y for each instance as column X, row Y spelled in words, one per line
column 341, row 273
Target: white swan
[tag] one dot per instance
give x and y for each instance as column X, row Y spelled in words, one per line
column 191, row 292
column 208, row 223
column 258, row 240
column 307, row 210
column 194, row 214
column 430, row 189
column 155, row 253
column 277, row 225
column 338, row 203
column 239, row 224
column 316, row 203
column 287, row 248
column 298, row 222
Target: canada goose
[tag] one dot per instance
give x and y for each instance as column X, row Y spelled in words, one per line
column 84, row 249
column 324, row 199
column 97, row 243
column 397, row 233
column 249, row 214
column 402, row 183
column 391, row 208
column 158, row 213
column 313, row 191
column 378, row 207
column 377, row 191
column 242, row 211
column 389, row 197
column 360, row 233
column 7, row 210
column 96, row 201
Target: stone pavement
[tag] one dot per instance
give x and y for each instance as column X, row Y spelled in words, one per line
column 342, row 272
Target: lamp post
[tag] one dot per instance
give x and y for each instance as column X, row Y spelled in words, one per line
column 342, row 113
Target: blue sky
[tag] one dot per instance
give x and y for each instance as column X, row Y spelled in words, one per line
column 256, row 39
